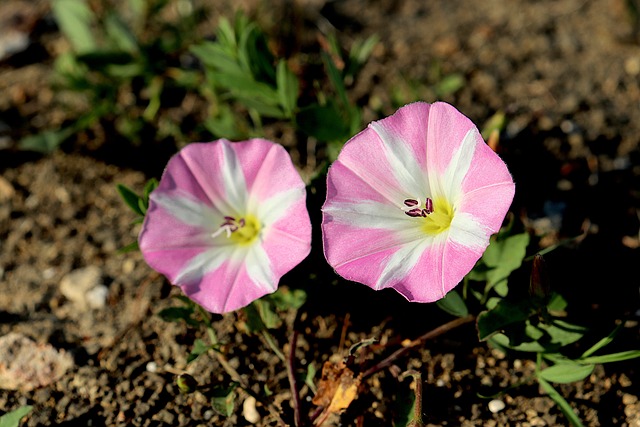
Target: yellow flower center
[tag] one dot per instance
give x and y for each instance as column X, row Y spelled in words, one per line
column 241, row 231
column 440, row 219
column 248, row 233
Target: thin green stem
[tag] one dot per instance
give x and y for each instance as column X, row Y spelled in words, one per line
column 272, row 344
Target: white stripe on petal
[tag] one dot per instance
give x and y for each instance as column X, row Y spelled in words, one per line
column 233, row 178
column 449, row 184
column 403, row 163
column 401, row 263
column 201, row 264
column 468, row 232
column 271, row 210
column 187, row 210
column 459, row 166
column 369, row 214
column 259, row 269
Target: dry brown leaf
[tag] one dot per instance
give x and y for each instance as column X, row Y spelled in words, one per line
column 336, row 390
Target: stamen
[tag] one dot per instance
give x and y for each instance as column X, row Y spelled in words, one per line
column 428, row 206
column 415, row 213
column 412, row 208
column 229, row 226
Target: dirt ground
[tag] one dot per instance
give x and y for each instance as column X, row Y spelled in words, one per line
column 567, row 76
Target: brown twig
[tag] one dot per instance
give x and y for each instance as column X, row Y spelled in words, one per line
column 292, row 379
column 419, row 341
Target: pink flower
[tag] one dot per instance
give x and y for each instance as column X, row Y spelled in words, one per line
column 412, row 201
column 227, row 221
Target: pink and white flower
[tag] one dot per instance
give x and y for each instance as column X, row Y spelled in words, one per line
column 227, row 221
column 412, row 201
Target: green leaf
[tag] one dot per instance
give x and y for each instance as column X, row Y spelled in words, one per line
column 285, row 299
column 223, row 125
column 267, row 313
column 556, row 303
column 336, row 79
column 504, row 314
column 199, row 348
column 453, row 304
column 130, row 198
column 566, row 409
column 12, row 419
column 309, row 378
column 45, row 142
column 565, row 373
column 254, row 320
column 176, row 314
column 151, row 185
column 223, row 399
column 496, row 122
column 287, row 84
column 603, row 342
column 75, row 20
column 133, row 246
column 503, row 256
column 502, row 341
column 323, row 122
column 563, row 333
column 449, row 84
column 361, row 50
column 118, row 32
column 217, row 58
column 613, row 357
column 405, row 405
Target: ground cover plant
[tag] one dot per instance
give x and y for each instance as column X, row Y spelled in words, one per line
column 265, row 237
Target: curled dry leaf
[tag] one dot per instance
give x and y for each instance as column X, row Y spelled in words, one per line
column 336, row 390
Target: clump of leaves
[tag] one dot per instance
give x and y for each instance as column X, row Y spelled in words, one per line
column 125, row 64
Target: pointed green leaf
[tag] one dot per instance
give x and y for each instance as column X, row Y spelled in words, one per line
column 199, row 348
column 503, row 256
column 603, row 342
column 45, row 142
column 614, row 357
column 504, row 314
column 223, row 399
column 74, row 17
column 565, row 373
column 453, row 304
column 119, row 34
column 287, row 84
column 323, row 122
column 566, row 409
column 130, row 198
column 133, row 246
column 12, row 419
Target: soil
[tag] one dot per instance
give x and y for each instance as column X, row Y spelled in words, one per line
column 565, row 73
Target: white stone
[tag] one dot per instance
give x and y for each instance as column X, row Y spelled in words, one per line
column 26, row 365
column 96, row 297
column 249, row 411
column 75, row 285
column 496, row 406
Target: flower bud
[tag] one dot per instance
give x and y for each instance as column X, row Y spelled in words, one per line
column 539, row 286
column 186, row 383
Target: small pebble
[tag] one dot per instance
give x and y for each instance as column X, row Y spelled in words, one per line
column 496, row 406
column 152, row 367
column 76, row 285
column 249, row 411
column 97, row 297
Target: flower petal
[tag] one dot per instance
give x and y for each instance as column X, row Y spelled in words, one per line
column 421, row 150
column 202, row 185
column 229, row 286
